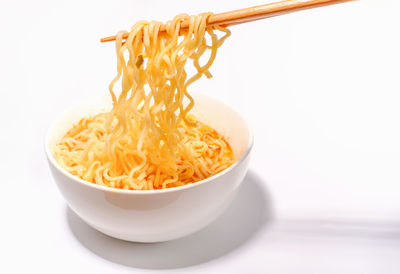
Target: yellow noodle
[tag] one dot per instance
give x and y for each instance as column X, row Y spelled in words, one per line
column 149, row 140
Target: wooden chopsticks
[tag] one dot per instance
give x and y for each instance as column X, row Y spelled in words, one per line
column 254, row 13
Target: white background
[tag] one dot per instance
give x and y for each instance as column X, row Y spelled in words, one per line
column 320, row 89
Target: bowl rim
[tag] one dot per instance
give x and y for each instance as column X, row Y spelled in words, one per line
column 55, row 164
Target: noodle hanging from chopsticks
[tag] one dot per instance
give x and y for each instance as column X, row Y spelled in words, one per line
column 149, row 140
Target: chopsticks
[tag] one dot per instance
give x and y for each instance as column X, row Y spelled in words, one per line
column 254, row 13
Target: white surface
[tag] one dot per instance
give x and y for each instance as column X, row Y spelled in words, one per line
column 321, row 89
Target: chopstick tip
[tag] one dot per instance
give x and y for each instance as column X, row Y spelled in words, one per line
column 107, row 39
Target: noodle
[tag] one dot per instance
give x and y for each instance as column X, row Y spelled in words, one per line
column 149, row 140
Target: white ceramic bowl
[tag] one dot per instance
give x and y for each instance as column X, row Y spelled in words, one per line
column 155, row 215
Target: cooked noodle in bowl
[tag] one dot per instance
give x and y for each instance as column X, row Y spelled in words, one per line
column 148, row 140
column 154, row 162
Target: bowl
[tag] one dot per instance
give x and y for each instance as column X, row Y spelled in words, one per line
column 155, row 215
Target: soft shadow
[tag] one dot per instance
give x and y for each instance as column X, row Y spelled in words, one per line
column 355, row 228
column 248, row 213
